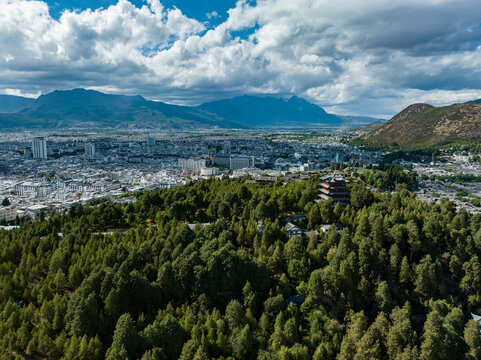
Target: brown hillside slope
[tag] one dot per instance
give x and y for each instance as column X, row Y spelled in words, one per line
column 423, row 124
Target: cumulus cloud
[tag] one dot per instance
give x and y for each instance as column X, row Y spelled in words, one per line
column 350, row 56
column 213, row 15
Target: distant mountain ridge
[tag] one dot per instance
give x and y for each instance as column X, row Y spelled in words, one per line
column 365, row 129
column 89, row 108
column 424, row 124
column 11, row 103
column 80, row 108
column 271, row 112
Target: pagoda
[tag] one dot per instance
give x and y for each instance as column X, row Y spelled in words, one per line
column 334, row 187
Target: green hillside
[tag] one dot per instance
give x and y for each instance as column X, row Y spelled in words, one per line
column 398, row 282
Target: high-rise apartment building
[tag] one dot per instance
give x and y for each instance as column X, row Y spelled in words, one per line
column 89, row 149
column 39, row 148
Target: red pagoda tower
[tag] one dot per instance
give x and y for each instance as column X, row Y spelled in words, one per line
column 334, row 187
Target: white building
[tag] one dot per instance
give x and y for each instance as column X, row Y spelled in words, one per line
column 89, row 149
column 39, row 148
column 291, row 229
column 192, row 164
column 234, row 162
column 102, row 186
column 307, row 167
column 8, row 213
column 33, row 189
column 76, row 187
column 26, row 188
column 205, row 171
column 44, row 189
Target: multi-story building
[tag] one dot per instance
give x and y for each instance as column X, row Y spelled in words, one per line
column 222, row 160
column 192, row 164
column 26, row 188
column 39, row 148
column 89, row 149
column 102, row 186
column 205, row 171
column 35, row 210
column 33, row 189
column 241, row 162
column 234, row 162
column 44, row 189
column 8, row 213
column 334, row 187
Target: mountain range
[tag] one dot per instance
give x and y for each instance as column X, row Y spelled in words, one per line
column 88, row 108
column 271, row 112
column 80, row 108
column 424, row 125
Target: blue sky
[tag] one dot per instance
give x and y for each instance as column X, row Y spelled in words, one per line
column 197, row 9
column 352, row 57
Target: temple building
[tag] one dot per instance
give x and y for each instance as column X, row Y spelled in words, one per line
column 334, row 187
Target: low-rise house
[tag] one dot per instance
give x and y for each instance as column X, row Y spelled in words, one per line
column 325, row 228
column 291, row 229
column 311, row 233
column 197, row 226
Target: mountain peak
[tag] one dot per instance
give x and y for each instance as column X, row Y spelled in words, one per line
column 88, row 92
column 79, row 97
column 296, row 98
column 270, row 111
column 426, row 124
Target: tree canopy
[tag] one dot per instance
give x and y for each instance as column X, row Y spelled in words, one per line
column 399, row 281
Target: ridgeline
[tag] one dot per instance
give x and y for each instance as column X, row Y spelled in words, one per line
column 423, row 125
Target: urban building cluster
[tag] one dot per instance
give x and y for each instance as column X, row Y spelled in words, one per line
column 42, row 172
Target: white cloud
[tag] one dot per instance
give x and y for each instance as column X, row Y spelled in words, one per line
column 359, row 57
column 212, row 15
column 17, row 92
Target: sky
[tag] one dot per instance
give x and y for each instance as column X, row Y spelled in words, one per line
column 352, row 57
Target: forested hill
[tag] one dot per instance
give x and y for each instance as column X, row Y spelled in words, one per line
column 398, row 282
